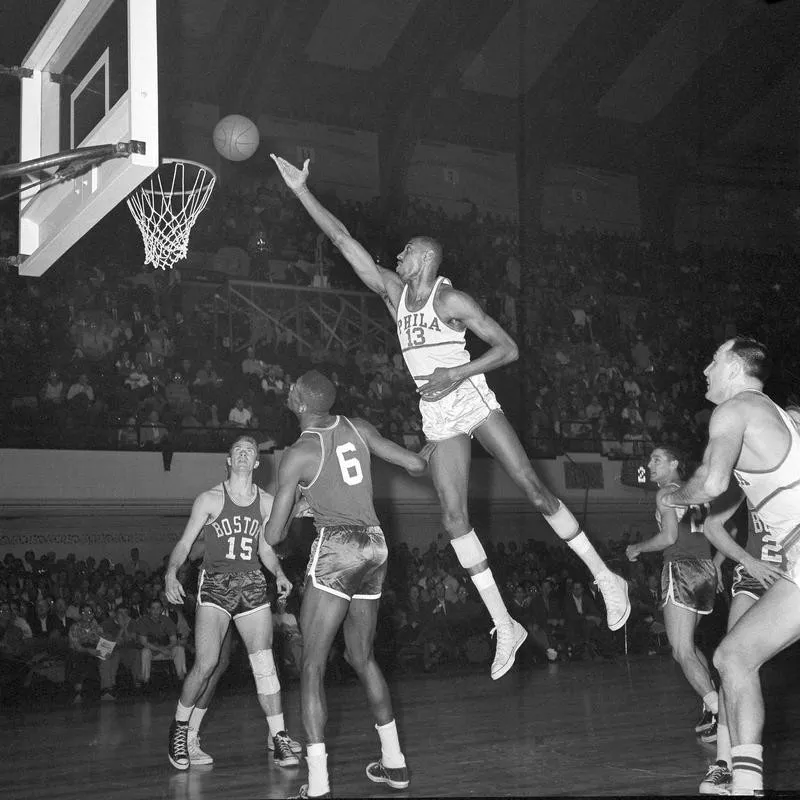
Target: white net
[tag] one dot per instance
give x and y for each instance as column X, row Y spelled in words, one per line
column 167, row 205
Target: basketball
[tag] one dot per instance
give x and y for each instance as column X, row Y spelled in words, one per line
column 236, row 137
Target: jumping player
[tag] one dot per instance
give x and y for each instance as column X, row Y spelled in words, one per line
column 752, row 436
column 232, row 586
column 330, row 465
column 456, row 403
column 688, row 579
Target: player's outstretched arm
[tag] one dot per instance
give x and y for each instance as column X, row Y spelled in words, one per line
column 382, row 281
column 711, row 479
column 202, row 509
column 416, row 464
column 502, row 348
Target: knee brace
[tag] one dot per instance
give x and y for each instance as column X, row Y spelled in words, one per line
column 264, row 672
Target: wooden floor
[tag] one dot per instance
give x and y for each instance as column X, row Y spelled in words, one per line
column 577, row 729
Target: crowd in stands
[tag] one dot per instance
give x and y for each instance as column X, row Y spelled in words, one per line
column 60, row 616
column 615, row 333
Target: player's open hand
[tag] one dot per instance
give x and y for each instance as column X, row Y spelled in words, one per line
column 173, row 589
column 764, row 573
column 295, row 178
column 284, row 586
column 422, row 460
column 632, row 552
column 439, row 383
column 302, row 508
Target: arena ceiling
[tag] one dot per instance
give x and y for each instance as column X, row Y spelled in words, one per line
column 614, row 83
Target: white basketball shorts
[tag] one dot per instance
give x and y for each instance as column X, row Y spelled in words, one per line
column 462, row 411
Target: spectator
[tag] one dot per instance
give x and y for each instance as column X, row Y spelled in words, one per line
column 582, row 624
column 239, row 416
column 158, row 638
column 52, row 393
column 153, row 434
column 137, row 564
column 119, row 628
column 81, row 394
column 85, row 658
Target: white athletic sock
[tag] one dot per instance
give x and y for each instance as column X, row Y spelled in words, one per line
column 391, row 755
column 492, row 599
column 724, row 744
column 196, row 720
column 748, row 768
column 276, row 724
column 567, row 528
column 317, row 760
column 183, row 713
column 711, row 702
column 471, row 555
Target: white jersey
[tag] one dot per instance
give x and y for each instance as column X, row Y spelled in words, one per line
column 774, row 495
column 426, row 340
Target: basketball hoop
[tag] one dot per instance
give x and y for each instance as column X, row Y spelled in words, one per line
column 167, row 205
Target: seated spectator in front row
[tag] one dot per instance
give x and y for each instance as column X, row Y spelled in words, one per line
column 119, row 628
column 158, row 638
column 585, row 633
column 85, row 659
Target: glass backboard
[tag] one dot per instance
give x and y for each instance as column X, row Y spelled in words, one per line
column 93, row 81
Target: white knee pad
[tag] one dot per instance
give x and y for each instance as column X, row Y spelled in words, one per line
column 263, row 665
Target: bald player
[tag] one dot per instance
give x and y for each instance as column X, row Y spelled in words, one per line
column 330, row 465
column 456, row 404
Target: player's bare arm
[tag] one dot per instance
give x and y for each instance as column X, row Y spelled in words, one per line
column 666, row 537
column 723, row 540
column 725, row 436
column 298, row 465
column 459, row 308
column 385, row 283
column 205, row 507
column 416, row 464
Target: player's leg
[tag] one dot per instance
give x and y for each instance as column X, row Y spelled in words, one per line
column 767, row 628
column 321, row 615
column 255, row 627
column 681, row 624
column 211, row 623
column 196, row 754
column 449, row 466
column 499, row 438
column 718, row 778
column 359, row 636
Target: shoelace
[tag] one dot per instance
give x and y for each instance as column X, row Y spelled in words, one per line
column 506, row 633
column 181, row 737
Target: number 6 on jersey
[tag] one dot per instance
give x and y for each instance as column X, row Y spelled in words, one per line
column 352, row 474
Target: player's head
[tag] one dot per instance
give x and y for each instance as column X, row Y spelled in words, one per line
column 738, row 363
column 422, row 254
column 243, row 455
column 312, row 394
column 667, row 463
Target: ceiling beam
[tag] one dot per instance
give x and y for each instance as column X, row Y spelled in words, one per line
column 600, row 49
column 266, row 60
column 755, row 58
